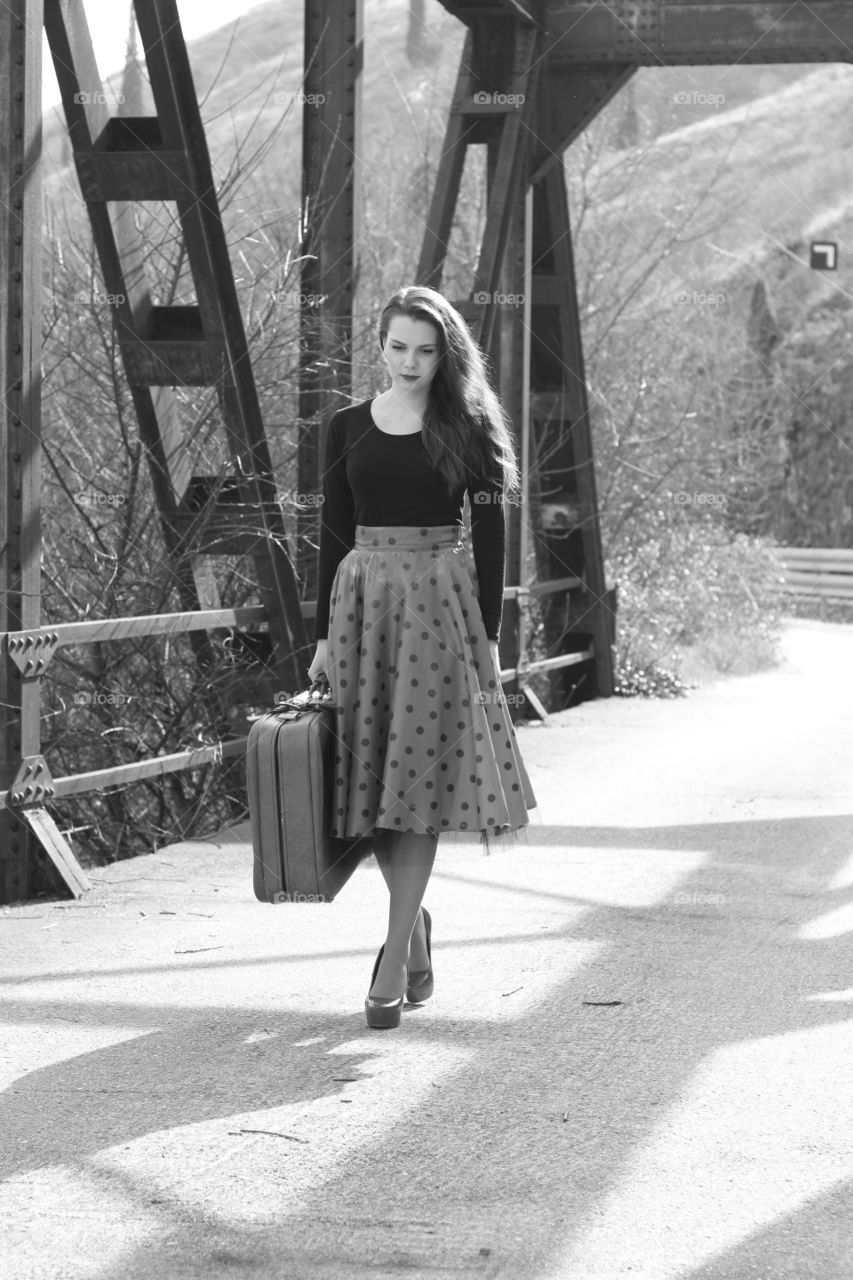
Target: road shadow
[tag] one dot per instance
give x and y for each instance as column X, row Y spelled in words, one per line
column 529, row 1142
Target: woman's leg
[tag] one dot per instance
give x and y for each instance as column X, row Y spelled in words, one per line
column 406, row 864
column 383, row 845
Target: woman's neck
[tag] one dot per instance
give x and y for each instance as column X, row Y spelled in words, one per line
column 413, row 403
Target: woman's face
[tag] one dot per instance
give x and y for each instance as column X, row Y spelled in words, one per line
column 411, row 352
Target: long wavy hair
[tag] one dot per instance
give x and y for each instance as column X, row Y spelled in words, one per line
column 466, row 430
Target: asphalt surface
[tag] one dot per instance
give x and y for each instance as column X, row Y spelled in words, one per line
column 636, row 1064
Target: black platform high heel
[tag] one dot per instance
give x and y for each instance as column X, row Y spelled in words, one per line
column 420, row 984
column 382, row 1011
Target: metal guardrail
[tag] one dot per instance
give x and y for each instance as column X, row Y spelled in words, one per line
column 32, row 651
column 824, row 573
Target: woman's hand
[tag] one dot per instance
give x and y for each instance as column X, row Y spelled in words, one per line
column 494, row 649
column 321, row 657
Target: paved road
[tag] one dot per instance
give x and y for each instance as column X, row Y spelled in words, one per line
column 637, row 1062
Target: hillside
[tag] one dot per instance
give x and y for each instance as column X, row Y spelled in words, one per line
column 733, row 198
column 777, row 171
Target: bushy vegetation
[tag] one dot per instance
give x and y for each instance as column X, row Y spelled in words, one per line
column 694, row 586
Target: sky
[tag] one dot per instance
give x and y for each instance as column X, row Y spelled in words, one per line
column 108, row 24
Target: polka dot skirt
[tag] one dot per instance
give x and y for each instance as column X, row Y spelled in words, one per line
column 424, row 741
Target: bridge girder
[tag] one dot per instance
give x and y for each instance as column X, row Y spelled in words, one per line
column 655, row 33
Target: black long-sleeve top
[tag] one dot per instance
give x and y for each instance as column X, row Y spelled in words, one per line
column 373, row 478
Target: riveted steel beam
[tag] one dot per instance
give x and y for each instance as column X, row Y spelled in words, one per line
column 20, row 416
column 658, row 33
column 331, row 151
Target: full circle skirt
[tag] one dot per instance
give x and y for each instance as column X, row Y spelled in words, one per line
column 424, row 740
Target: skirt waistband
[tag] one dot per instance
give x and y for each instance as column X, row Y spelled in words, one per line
column 395, row 537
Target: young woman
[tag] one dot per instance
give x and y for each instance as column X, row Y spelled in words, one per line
column 408, row 622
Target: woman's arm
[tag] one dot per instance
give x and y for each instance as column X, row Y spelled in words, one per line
column 318, row 663
column 488, row 543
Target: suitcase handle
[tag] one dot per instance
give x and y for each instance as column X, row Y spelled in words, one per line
column 317, row 697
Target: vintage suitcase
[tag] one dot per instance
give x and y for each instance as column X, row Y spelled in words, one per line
column 289, row 770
